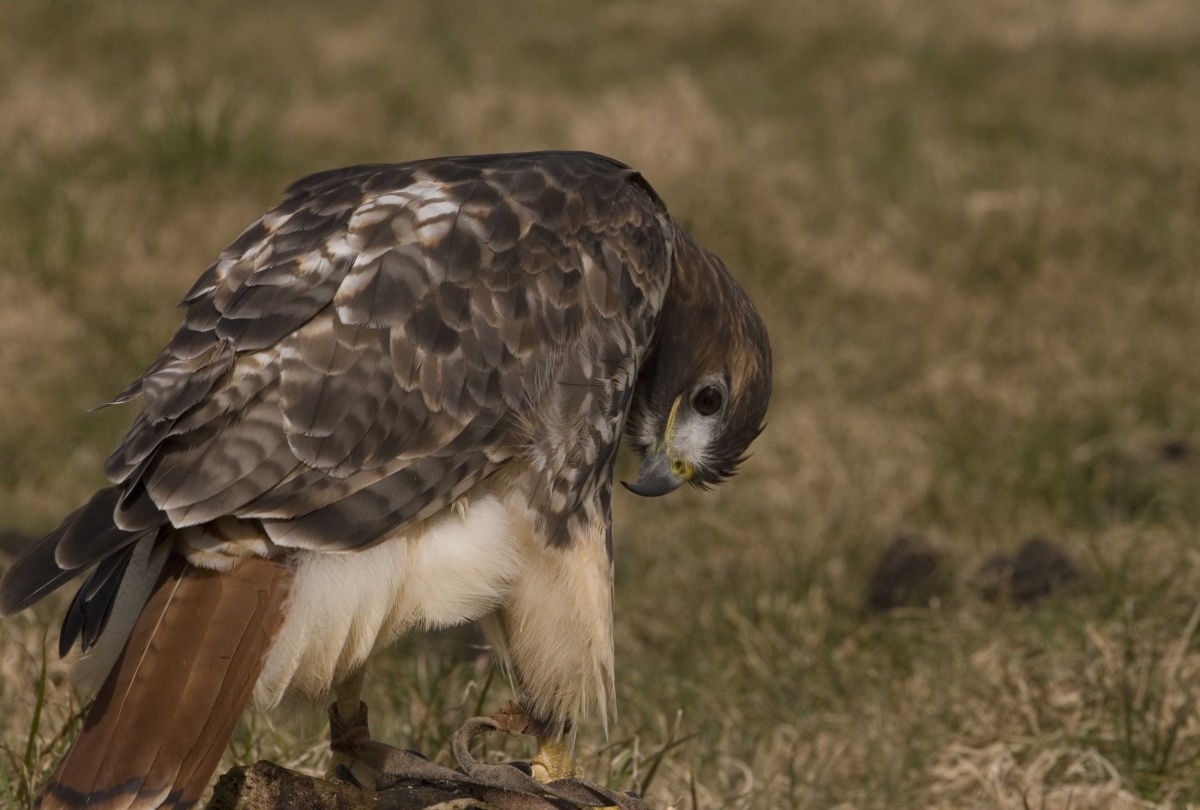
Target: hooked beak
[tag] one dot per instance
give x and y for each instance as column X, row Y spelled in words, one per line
column 656, row 477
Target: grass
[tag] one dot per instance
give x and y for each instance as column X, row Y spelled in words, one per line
column 972, row 230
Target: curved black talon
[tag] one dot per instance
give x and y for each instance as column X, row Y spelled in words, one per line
column 346, row 775
column 522, row 766
column 416, row 753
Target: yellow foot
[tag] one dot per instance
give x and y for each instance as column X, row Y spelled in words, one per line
column 553, row 761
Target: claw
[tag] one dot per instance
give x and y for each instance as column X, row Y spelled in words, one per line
column 346, row 741
column 345, row 773
column 375, row 765
column 553, row 758
column 551, row 782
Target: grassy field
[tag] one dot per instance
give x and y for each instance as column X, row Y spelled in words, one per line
column 972, row 228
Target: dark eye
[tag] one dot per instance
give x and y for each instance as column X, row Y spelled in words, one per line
column 707, row 400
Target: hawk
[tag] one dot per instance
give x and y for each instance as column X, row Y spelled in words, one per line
column 394, row 403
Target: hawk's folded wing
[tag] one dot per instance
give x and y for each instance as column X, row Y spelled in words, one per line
column 384, row 339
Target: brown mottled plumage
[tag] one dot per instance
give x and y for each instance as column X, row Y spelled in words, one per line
column 431, row 365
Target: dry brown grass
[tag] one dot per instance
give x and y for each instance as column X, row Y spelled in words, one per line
column 972, row 228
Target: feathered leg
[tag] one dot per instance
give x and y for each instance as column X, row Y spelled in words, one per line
column 555, row 637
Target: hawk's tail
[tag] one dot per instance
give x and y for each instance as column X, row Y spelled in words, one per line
column 158, row 726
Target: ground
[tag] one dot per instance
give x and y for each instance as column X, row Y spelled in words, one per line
column 972, row 229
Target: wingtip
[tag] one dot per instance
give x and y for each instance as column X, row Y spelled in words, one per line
column 7, row 606
column 16, row 595
column 34, row 574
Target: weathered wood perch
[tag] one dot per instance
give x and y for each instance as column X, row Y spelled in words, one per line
column 267, row 786
column 408, row 781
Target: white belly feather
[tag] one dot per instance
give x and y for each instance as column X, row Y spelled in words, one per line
column 454, row 568
column 547, row 612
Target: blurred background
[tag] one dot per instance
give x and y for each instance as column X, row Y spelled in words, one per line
column 972, row 229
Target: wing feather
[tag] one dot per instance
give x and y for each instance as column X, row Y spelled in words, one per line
column 91, row 533
column 390, row 335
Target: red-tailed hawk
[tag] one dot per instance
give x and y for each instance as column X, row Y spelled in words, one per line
column 394, row 403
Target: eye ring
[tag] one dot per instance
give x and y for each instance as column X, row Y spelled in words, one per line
column 708, row 400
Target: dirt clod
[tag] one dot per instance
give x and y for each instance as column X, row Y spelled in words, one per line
column 907, row 575
column 1038, row 569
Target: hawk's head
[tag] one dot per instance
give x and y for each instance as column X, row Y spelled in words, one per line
column 703, row 390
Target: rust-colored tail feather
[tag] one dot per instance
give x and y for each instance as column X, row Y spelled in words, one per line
column 159, row 724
